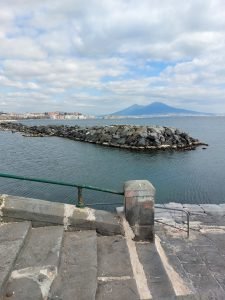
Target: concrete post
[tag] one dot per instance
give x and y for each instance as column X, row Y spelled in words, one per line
column 139, row 208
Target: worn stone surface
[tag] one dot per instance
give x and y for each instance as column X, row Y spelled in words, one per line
column 22, row 286
column 174, row 205
column 107, row 223
column 12, row 238
column 212, row 209
column 158, row 281
column 37, row 264
column 199, row 260
column 42, row 248
column 82, row 219
column 193, row 208
column 45, row 213
column 30, row 283
column 104, row 262
column 113, row 257
column 77, row 278
column 13, row 231
column 36, row 210
column 117, row 290
column 115, row 275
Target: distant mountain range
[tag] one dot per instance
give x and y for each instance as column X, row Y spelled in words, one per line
column 155, row 108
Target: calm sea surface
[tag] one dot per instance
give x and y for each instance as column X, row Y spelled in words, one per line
column 189, row 177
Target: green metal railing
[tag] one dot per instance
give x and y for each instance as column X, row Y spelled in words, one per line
column 81, row 203
column 80, row 187
column 183, row 211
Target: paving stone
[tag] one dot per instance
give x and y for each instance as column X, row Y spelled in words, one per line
column 201, row 278
column 21, row 286
column 220, row 277
column 189, row 256
column 212, row 209
column 178, row 267
column 113, row 257
column 158, row 281
column 36, row 266
column 209, row 253
column 186, row 297
column 222, row 207
column 213, row 294
column 173, row 205
column 42, row 248
column 162, row 214
column 206, row 284
column 77, row 279
column 193, row 208
column 12, row 238
column 117, row 290
column 10, row 232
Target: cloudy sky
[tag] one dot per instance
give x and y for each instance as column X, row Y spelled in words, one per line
column 100, row 56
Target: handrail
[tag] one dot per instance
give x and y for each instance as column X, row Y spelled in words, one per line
column 180, row 210
column 78, row 186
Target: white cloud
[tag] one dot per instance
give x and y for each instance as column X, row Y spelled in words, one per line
column 116, row 53
column 21, row 47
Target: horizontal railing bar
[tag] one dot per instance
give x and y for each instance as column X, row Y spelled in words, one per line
column 41, row 180
column 170, row 225
column 180, row 210
column 170, row 208
column 93, row 204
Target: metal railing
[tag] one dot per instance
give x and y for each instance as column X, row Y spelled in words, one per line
column 187, row 213
column 81, row 202
column 80, row 187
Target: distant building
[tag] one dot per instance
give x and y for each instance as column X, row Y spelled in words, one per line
column 56, row 115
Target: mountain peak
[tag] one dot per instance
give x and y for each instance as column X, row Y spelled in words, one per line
column 155, row 108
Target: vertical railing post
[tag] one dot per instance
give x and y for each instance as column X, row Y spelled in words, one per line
column 80, row 202
column 188, row 224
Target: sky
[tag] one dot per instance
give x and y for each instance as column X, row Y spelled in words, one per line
column 100, row 56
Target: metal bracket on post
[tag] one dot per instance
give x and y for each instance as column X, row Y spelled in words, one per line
column 80, row 202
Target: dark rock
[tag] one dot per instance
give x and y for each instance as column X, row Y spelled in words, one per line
column 122, row 136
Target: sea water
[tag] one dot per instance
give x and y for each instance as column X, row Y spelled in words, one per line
column 186, row 176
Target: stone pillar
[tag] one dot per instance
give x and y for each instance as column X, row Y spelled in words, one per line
column 139, row 208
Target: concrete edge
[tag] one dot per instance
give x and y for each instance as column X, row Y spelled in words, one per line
column 45, row 213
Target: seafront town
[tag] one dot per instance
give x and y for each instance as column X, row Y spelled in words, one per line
column 45, row 115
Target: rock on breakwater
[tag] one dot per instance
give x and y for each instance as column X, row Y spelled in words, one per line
column 122, row 136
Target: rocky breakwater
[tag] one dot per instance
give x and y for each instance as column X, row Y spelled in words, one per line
column 122, row 136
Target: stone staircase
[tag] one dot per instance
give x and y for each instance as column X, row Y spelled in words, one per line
column 50, row 263
column 53, row 264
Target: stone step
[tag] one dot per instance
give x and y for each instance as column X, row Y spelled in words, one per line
column 46, row 213
column 37, row 265
column 12, row 238
column 115, row 275
column 77, row 279
column 158, row 281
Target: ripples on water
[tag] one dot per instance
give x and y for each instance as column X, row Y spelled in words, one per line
column 188, row 177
